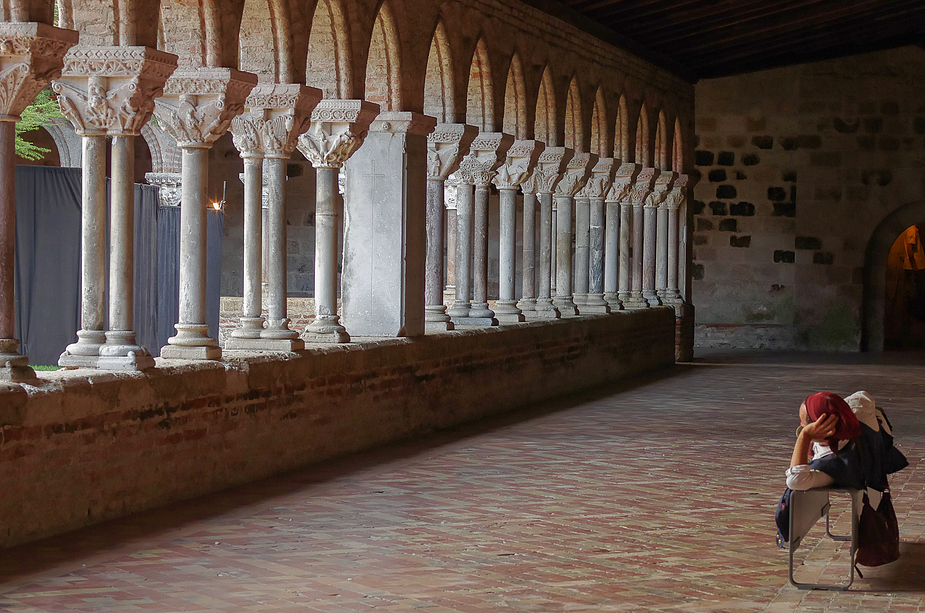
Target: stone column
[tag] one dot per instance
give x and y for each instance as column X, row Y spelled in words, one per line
column 595, row 190
column 550, row 168
column 445, row 148
column 197, row 108
column 462, row 275
column 385, row 236
column 449, row 200
column 576, row 174
column 338, row 129
column 661, row 254
column 518, row 166
column 111, row 91
column 486, row 154
column 615, row 249
column 31, row 54
column 672, row 295
column 637, row 197
column 527, row 303
column 650, row 236
column 582, row 243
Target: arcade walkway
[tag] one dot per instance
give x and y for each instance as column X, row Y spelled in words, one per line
column 653, row 497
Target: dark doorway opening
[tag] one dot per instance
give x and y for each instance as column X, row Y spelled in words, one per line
column 904, row 304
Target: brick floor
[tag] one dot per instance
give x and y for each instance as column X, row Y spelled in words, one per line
column 654, row 496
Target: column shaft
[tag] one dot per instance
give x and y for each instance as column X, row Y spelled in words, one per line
column 277, row 307
column 563, row 299
column 528, row 284
column 582, row 250
column 612, row 255
column 673, row 294
column 650, row 248
column 636, row 296
column 461, row 304
column 595, row 302
column 506, row 308
column 626, row 244
column 661, row 255
column 252, row 319
column 451, row 228
column 435, row 317
column 480, row 255
column 544, row 306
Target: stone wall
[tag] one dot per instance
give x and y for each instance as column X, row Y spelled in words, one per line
column 80, row 449
column 799, row 166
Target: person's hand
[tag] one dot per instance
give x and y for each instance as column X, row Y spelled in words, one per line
column 822, row 428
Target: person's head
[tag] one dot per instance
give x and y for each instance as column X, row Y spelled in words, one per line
column 827, row 403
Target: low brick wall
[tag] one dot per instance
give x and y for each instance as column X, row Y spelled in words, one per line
column 80, row 449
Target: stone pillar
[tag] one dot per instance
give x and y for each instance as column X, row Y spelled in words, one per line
column 463, row 260
column 595, row 190
column 449, row 200
column 672, row 295
column 446, row 146
column 582, row 243
column 197, row 108
column 661, row 255
column 31, row 54
column 109, row 91
column 518, row 166
column 550, row 168
column 338, row 129
column 527, row 303
column 486, row 154
column 576, row 174
column 637, row 197
column 252, row 320
column 385, row 236
column 650, row 236
column 615, row 249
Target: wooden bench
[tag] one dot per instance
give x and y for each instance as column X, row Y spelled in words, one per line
column 806, row 507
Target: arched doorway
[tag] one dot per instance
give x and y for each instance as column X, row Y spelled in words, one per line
column 875, row 308
column 904, row 299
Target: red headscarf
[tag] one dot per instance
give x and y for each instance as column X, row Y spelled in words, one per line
column 827, row 403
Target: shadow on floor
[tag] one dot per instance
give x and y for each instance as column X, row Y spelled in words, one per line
column 907, row 574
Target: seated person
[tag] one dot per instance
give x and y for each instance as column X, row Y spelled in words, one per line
column 843, row 443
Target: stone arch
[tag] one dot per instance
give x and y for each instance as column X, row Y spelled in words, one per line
column 383, row 63
column 574, row 130
column 677, row 149
column 875, row 261
column 515, row 100
column 661, row 143
column 65, row 14
column 221, row 22
column 480, row 91
column 328, row 65
column 621, row 148
column 642, row 138
column 599, row 131
column 181, row 31
column 545, row 123
column 261, row 23
column 107, row 23
column 67, row 142
column 439, row 86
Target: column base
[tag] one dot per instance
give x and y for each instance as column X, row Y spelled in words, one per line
column 527, row 304
column 613, row 301
column 14, row 367
column 545, row 310
column 333, row 336
column 286, row 345
column 185, row 352
column 121, row 352
column 580, row 299
column 651, row 297
column 17, row 374
column 475, row 321
column 436, row 327
column 251, row 327
column 506, row 312
column 459, row 309
column 435, row 313
column 594, row 309
column 69, row 360
column 566, row 307
column 279, row 330
column 635, row 301
column 510, row 318
column 480, row 310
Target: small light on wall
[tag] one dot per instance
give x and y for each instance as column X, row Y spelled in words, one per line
column 219, row 205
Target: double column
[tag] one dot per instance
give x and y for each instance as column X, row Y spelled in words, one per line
column 517, row 168
column 589, row 277
column 617, row 237
column 477, row 169
column 632, row 218
column 575, row 177
column 265, row 136
column 669, row 254
column 550, row 168
column 655, row 235
column 197, row 108
column 109, row 91
column 446, row 146
column 337, row 131
column 30, row 55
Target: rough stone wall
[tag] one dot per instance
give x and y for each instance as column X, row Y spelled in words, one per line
column 799, row 166
column 81, row 449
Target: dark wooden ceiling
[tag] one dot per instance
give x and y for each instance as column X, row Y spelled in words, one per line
column 702, row 39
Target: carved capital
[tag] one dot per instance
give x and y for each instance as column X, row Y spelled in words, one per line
column 599, row 181
column 623, row 182
column 111, row 90
column 549, row 168
column 643, row 186
column 486, row 154
column 199, row 104
column 446, row 146
column 31, row 55
column 403, row 122
column 274, row 118
column 576, row 174
column 337, row 129
column 660, row 189
column 678, row 192
column 170, row 184
column 519, row 164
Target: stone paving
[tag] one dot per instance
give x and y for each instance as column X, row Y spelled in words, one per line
column 653, row 496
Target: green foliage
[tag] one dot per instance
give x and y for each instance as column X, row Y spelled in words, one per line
column 40, row 112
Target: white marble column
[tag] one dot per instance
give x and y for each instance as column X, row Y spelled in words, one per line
column 575, row 177
column 486, row 154
column 517, row 168
column 449, row 200
column 30, row 55
column 338, row 129
column 463, row 257
column 111, row 90
column 596, row 189
column 550, row 168
column 446, row 146
column 638, row 194
column 673, row 204
column 252, row 320
column 527, row 303
column 385, row 236
column 616, row 246
column 196, row 110
column 651, row 236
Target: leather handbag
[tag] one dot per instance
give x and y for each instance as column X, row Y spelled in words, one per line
column 878, row 533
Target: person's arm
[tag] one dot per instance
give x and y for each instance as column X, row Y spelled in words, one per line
column 800, row 476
